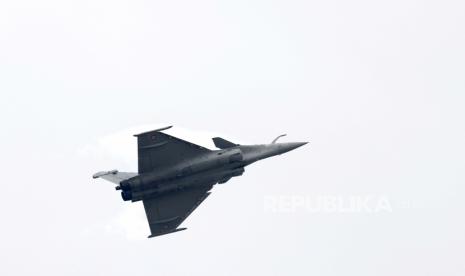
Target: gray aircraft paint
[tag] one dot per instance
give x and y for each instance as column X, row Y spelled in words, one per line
column 175, row 176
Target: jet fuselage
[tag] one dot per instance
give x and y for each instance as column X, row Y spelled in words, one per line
column 207, row 169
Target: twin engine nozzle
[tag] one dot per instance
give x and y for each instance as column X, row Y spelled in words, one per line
column 125, row 188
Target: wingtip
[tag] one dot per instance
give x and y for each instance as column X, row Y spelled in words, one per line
column 97, row 175
column 102, row 173
column 168, row 232
column 158, row 129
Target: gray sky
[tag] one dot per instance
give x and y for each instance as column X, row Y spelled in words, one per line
column 377, row 87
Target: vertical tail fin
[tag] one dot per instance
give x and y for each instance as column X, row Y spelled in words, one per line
column 223, row 144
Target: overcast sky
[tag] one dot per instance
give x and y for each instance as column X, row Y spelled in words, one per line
column 377, row 87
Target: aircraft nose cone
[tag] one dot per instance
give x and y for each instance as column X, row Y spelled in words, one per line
column 291, row 146
column 259, row 152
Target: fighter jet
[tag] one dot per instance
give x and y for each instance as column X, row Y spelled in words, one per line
column 175, row 176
